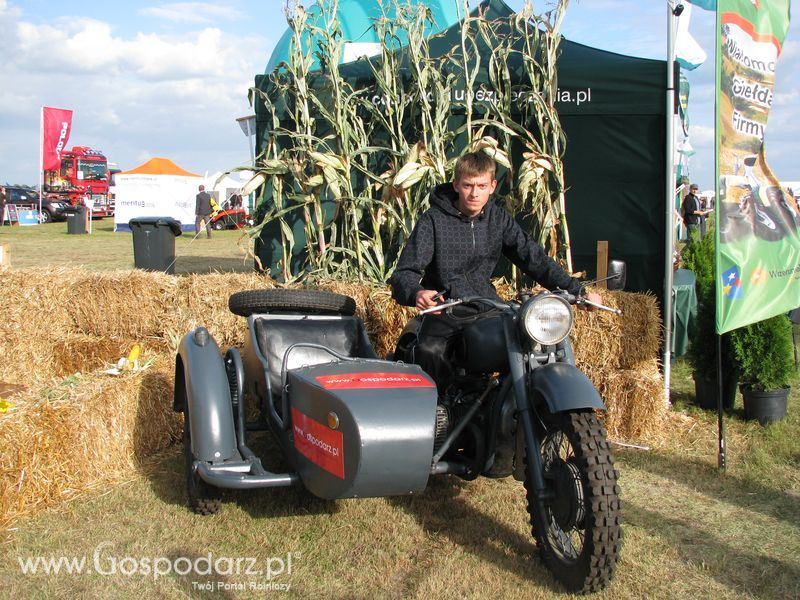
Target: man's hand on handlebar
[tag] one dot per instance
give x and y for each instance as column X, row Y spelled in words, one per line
column 428, row 299
column 591, row 297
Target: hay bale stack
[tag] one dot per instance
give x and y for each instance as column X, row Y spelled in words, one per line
column 83, row 432
column 71, row 434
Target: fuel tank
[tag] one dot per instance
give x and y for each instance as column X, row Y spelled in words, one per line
column 362, row 428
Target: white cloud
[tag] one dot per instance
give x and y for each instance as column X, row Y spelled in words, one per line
column 134, row 96
column 192, row 12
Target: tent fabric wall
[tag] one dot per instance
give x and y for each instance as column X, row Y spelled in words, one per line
column 612, row 109
column 158, row 188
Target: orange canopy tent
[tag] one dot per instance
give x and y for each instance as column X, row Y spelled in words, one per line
column 159, row 166
column 157, row 188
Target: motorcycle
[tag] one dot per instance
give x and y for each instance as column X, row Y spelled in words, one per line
column 353, row 425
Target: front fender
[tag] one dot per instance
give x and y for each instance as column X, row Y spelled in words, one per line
column 565, row 388
column 201, row 382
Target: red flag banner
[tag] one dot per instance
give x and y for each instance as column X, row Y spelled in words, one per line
column 56, row 125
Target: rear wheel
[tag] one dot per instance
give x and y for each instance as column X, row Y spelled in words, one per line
column 577, row 528
column 46, row 216
column 287, row 300
column 204, row 499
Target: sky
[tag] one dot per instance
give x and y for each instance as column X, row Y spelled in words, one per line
column 169, row 79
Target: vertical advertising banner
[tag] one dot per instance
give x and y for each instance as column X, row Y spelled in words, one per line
column 56, row 125
column 758, row 241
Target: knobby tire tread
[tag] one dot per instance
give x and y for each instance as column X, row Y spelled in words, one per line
column 204, row 499
column 595, row 566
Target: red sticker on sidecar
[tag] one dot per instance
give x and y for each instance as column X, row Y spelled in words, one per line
column 373, row 380
column 318, row 443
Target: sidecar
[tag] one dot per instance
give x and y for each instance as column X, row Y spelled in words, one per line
column 348, row 423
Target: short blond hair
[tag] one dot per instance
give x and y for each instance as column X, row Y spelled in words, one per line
column 475, row 163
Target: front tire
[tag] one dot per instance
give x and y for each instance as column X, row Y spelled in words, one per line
column 46, row 216
column 578, row 528
column 204, row 499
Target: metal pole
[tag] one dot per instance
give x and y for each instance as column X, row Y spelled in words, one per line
column 720, row 421
column 41, row 158
column 670, row 199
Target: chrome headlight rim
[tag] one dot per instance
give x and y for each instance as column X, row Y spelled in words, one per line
column 533, row 311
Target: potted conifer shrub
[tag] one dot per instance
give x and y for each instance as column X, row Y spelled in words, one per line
column 764, row 354
column 698, row 256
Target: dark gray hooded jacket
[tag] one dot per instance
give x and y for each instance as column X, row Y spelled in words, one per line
column 449, row 251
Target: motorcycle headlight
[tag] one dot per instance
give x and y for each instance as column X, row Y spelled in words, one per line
column 547, row 319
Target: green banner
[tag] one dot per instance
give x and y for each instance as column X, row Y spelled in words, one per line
column 758, row 241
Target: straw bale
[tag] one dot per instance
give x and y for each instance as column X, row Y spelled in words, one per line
column 203, row 300
column 79, row 353
column 85, row 432
column 601, row 338
column 34, row 315
column 634, row 399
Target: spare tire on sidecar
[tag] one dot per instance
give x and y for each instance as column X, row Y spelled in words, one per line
column 348, row 423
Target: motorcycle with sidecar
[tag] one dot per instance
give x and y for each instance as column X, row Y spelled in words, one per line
column 353, row 425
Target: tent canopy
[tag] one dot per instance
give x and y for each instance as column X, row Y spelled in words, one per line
column 157, row 188
column 612, row 110
column 356, row 19
column 159, row 166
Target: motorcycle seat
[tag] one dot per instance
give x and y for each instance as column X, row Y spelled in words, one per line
column 344, row 335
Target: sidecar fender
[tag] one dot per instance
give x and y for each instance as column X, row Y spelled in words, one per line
column 202, row 384
column 565, row 388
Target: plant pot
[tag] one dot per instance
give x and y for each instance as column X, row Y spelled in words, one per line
column 765, row 405
column 705, row 391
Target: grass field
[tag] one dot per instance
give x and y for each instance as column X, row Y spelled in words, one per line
column 49, row 244
column 690, row 530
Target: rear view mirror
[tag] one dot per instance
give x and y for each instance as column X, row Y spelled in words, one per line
column 617, row 271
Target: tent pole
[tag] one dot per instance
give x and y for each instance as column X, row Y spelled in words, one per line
column 670, row 198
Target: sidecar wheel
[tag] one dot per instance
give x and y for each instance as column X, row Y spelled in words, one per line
column 204, row 499
column 578, row 529
column 249, row 302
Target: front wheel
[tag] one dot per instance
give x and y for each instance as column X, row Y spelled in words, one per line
column 577, row 528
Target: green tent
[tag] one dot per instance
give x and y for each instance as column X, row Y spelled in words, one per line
column 612, row 110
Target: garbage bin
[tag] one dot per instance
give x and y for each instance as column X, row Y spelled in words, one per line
column 154, row 242
column 77, row 221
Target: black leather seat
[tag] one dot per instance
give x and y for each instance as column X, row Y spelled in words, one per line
column 343, row 335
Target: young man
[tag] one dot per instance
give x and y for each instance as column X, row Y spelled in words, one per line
column 454, row 250
column 458, row 241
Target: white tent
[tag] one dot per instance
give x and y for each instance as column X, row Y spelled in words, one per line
column 223, row 185
column 158, row 188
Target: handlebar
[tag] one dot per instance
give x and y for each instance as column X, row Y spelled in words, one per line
column 506, row 306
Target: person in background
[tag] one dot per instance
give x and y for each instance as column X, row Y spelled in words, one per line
column 693, row 215
column 202, row 212
column 2, row 205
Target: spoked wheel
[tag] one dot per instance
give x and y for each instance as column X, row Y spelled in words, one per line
column 204, row 499
column 577, row 528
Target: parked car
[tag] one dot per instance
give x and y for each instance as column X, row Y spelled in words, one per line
column 52, row 210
